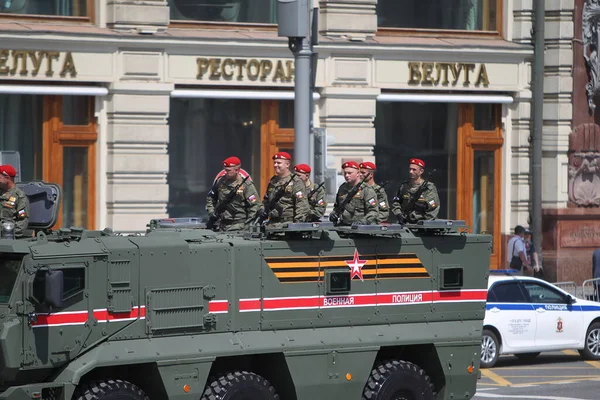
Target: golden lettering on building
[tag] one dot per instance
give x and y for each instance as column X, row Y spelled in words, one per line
column 241, row 69
column 34, row 62
column 447, row 74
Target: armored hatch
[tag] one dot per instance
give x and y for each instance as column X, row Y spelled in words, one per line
column 44, row 203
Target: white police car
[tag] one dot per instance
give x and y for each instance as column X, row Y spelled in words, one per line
column 525, row 316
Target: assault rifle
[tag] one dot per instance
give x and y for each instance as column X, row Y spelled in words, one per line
column 220, row 209
column 336, row 215
column 315, row 190
column 382, row 185
column 264, row 214
column 403, row 217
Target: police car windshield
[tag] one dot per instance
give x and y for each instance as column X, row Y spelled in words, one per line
column 9, row 269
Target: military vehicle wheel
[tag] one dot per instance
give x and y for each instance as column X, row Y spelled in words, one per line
column 490, row 349
column 398, row 380
column 240, row 385
column 110, row 390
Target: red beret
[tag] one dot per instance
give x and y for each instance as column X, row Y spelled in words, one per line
column 368, row 165
column 302, row 168
column 231, row 162
column 8, row 170
column 418, row 162
column 350, row 164
column 282, row 155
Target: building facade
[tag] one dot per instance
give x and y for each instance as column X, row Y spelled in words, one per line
column 131, row 106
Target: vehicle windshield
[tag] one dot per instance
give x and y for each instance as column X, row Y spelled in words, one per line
column 9, row 269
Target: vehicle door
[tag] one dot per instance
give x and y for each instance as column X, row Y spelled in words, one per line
column 559, row 323
column 509, row 311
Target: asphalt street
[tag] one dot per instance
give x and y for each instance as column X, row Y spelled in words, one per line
column 551, row 376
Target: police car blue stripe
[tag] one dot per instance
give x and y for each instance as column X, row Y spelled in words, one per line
column 547, row 307
column 510, row 306
column 590, row 308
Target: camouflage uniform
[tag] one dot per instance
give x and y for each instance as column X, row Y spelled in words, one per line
column 317, row 202
column 382, row 201
column 15, row 207
column 363, row 207
column 426, row 207
column 293, row 205
column 241, row 211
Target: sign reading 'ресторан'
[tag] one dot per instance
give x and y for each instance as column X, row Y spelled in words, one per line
column 34, row 62
column 244, row 69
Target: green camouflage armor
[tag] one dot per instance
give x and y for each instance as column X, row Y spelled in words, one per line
column 317, row 202
column 382, row 201
column 241, row 211
column 426, row 207
column 293, row 205
column 15, row 207
column 362, row 208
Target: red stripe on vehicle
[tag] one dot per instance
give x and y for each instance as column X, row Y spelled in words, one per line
column 218, row 306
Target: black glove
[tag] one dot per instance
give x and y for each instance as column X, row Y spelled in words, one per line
column 401, row 219
column 262, row 214
column 333, row 217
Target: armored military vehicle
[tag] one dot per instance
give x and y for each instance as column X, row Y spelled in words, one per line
column 303, row 311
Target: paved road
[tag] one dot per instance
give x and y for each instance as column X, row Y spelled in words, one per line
column 551, row 376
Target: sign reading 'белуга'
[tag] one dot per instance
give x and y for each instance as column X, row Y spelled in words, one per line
column 33, row 62
column 445, row 74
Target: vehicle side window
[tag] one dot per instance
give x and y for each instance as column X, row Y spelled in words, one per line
column 74, row 283
column 507, row 292
column 543, row 294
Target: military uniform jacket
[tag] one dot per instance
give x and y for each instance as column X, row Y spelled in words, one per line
column 362, row 208
column 426, row 207
column 317, row 202
column 242, row 209
column 382, row 201
column 15, row 207
column 293, row 205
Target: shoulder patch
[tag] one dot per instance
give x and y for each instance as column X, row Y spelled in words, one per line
column 372, row 201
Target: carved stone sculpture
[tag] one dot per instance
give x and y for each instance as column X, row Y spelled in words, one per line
column 584, row 166
column 590, row 21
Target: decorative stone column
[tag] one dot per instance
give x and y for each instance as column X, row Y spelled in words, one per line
column 147, row 16
column 137, row 159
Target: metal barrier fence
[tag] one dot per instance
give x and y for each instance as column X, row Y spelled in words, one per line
column 589, row 290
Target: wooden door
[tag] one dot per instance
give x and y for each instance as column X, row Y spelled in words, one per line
column 479, row 180
column 70, row 136
column 277, row 134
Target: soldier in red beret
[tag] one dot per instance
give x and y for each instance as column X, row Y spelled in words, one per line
column 241, row 210
column 355, row 202
column 14, row 202
column 316, row 193
column 416, row 199
column 367, row 173
column 286, row 196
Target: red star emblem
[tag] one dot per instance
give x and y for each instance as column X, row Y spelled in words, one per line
column 355, row 266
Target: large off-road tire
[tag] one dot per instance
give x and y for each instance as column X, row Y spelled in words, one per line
column 490, row 349
column 591, row 351
column 398, row 380
column 240, row 385
column 110, row 390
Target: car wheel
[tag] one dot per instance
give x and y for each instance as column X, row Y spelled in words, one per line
column 591, row 351
column 527, row 356
column 490, row 349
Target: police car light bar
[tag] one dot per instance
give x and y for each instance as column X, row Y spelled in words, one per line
column 503, row 271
